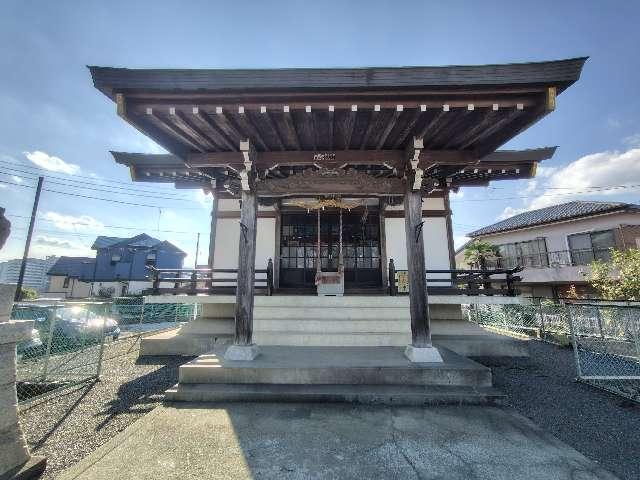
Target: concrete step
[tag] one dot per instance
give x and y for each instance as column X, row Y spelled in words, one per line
column 362, row 394
column 173, row 343
column 333, row 366
column 332, row 339
column 346, row 313
column 335, row 325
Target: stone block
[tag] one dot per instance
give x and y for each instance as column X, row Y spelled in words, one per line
column 7, row 363
column 242, row 353
column 13, row 450
column 422, row 355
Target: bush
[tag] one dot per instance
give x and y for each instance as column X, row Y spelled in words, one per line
column 27, row 293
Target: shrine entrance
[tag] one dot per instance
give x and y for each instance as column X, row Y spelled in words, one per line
column 360, row 247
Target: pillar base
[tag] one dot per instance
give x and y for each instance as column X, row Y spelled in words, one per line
column 242, row 353
column 422, row 354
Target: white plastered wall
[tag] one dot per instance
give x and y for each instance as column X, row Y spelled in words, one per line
column 228, row 235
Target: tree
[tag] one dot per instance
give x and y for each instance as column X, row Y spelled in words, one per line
column 28, row 294
column 478, row 252
column 618, row 279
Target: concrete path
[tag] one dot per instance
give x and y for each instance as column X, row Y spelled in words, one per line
column 327, row 441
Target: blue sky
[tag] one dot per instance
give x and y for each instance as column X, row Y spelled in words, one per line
column 52, row 116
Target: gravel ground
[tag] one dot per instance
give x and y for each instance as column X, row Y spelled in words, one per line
column 67, row 426
column 600, row 425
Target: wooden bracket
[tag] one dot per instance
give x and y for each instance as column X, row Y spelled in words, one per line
column 249, row 155
column 414, row 149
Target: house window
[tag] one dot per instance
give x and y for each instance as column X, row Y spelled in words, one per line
column 115, row 259
column 151, row 260
column 532, row 253
column 65, row 282
column 590, row 246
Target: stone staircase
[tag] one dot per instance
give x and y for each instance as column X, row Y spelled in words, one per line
column 356, row 321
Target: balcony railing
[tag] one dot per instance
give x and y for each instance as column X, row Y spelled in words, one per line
column 560, row 258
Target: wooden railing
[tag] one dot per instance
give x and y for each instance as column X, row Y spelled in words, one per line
column 463, row 282
column 193, row 281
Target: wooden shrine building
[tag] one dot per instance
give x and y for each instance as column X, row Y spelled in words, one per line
column 352, row 166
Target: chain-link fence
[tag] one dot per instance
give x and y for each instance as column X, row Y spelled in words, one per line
column 65, row 347
column 605, row 336
column 69, row 338
column 606, row 345
column 136, row 317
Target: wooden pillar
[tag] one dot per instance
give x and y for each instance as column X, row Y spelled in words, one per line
column 246, row 268
column 449, row 220
column 413, row 223
column 383, row 245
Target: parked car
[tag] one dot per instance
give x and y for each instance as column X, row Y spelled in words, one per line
column 73, row 323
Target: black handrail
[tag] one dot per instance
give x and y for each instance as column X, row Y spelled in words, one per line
column 185, row 280
column 464, row 282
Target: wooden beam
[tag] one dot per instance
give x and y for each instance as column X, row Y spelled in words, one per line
column 192, row 130
column 418, row 302
column 247, row 174
column 387, row 129
column 292, row 133
column 350, row 122
column 155, row 133
column 433, row 123
column 409, row 126
column 170, row 128
column 373, row 123
column 490, row 130
column 246, row 269
column 218, row 134
column 271, row 124
column 223, row 121
column 247, row 125
column 212, row 231
column 331, row 126
column 489, row 118
column 393, row 158
column 414, row 149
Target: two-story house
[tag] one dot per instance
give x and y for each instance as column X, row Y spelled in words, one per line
column 556, row 244
column 120, row 267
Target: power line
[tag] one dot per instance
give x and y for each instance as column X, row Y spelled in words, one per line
column 105, row 226
column 40, row 171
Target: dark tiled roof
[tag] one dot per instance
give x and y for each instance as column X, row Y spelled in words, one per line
column 561, row 73
column 556, row 213
column 103, row 241
column 78, row 267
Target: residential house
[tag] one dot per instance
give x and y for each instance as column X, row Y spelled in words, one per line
column 120, row 267
column 556, row 244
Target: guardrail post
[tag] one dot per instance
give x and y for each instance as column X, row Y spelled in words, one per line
column 574, row 341
column 392, row 278
column 47, row 355
column 194, row 281
column 270, row 277
column 599, row 319
column 156, row 282
column 101, row 354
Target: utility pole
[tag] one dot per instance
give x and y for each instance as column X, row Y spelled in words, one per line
column 23, row 266
column 197, row 248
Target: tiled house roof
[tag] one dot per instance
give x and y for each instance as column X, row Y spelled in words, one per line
column 555, row 213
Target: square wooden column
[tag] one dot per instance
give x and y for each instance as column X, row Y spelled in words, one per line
column 243, row 347
column 421, row 349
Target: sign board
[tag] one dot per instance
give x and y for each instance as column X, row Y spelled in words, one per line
column 402, row 281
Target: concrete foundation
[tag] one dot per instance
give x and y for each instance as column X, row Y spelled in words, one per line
column 422, row 355
column 242, row 353
column 352, row 321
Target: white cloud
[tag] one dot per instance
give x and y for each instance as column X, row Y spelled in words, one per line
column 456, row 195
column 3, row 185
column 510, row 212
column 205, row 199
column 71, row 223
column 632, row 140
column 545, row 172
column 613, row 123
column 16, row 179
column 596, row 175
column 51, row 163
column 458, row 241
column 531, row 187
column 44, row 246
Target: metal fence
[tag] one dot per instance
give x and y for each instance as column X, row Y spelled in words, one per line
column 66, row 347
column 605, row 337
column 69, row 338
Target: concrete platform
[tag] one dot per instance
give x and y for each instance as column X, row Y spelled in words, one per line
column 335, row 366
column 291, row 441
